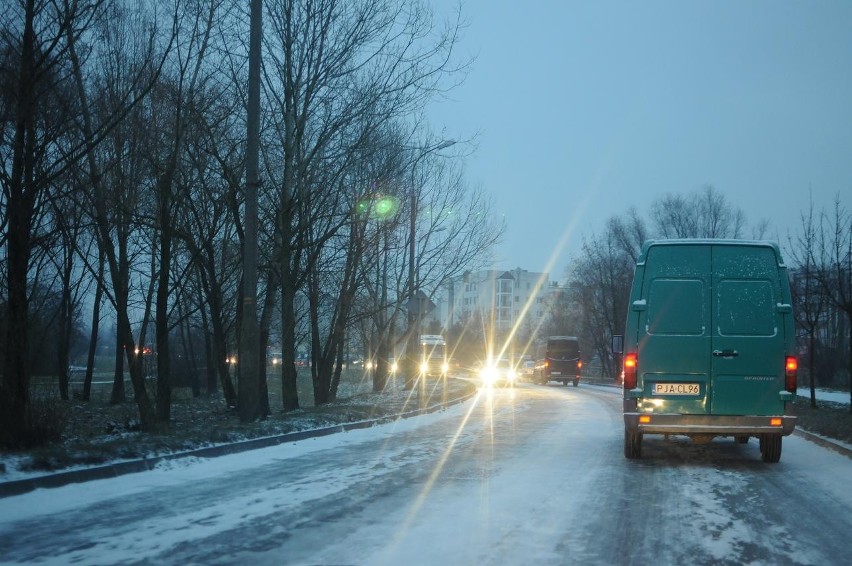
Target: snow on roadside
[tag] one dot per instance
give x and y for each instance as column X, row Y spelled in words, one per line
column 824, row 395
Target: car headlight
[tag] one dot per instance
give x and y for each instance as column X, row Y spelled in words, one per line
column 445, row 368
column 487, row 375
column 424, row 367
column 394, row 367
column 510, row 374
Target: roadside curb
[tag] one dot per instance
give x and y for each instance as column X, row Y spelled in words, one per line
column 59, row 479
column 824, row 442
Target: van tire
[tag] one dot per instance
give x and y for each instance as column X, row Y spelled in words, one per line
column 576, row 382
column 770, row 448
column 632, row 445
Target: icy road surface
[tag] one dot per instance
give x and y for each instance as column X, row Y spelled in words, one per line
column 531, row 475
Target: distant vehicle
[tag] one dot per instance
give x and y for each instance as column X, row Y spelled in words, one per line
column 433, row 355
column 528, row 368
column 561, row 361
column 498, row 373
column 709, row 348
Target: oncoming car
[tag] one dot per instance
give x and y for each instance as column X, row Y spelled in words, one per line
column 498, row 373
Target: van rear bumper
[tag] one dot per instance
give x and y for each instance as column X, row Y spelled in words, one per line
column 720, row 425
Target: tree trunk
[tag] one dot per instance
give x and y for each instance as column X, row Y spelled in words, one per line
column 147, row 411
column 849, row 354
column 210, row 361
column 93, row 337
column 14, row 394
column 289, row 387
column 264, row 324
column 812, row 366
column 66, row 313
column 219, row 348
column 118, row 394
column 164, row 377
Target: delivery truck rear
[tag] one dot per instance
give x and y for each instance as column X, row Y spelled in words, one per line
column 709, row 349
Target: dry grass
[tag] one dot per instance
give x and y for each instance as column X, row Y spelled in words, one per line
column 96, row 432
column 832, row 420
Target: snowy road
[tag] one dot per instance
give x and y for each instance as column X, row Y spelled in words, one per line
column 533, row 475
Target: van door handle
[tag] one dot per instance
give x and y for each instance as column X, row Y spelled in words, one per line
column 726, row 353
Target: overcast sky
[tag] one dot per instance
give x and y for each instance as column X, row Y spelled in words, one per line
column 586, row 108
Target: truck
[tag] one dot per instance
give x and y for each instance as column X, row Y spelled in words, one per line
column 709, row 347
column 433, row 355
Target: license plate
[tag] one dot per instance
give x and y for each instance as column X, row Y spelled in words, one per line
column 556, row 373
column 677, row 389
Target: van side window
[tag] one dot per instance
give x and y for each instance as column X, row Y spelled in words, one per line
column 677, row 307
column 745, row 308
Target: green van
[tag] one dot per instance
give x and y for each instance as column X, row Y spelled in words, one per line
column 709, row 348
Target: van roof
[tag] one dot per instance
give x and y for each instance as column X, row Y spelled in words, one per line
column 709, row 241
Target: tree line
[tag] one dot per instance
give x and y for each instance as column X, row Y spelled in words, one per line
column 123, row 169
column 593, row 303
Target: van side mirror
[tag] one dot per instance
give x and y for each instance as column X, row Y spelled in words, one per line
column 617, row 344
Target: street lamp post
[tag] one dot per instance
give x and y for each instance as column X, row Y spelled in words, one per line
column 413, row 372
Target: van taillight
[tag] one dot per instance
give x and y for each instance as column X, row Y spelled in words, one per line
column 629, row 371
column 791, row 371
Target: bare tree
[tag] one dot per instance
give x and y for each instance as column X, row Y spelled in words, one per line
column 128, row 70
column 717, row 218
column 706, row 214
column 808, row 295
column 600, row 286
column 43, row 144
column 630, row 233
column 674, row 217
column 835, row 249
column 334, row 72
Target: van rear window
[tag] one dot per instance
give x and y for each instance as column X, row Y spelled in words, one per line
column 563, row 349
column 745, row 308
column 677, row 307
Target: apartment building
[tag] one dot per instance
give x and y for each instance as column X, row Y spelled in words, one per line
column 500, row 297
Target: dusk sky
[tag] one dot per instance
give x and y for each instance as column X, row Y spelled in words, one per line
column 586, row 108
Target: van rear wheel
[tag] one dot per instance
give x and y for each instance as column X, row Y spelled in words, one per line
column 632, row 444
column 770, row 448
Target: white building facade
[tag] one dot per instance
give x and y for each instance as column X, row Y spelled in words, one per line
column 503, row 298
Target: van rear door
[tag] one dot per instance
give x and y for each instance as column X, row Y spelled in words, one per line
column 673, row 331
column 747, row 331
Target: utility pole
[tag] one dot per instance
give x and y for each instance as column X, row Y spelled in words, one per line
column 250, row 407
